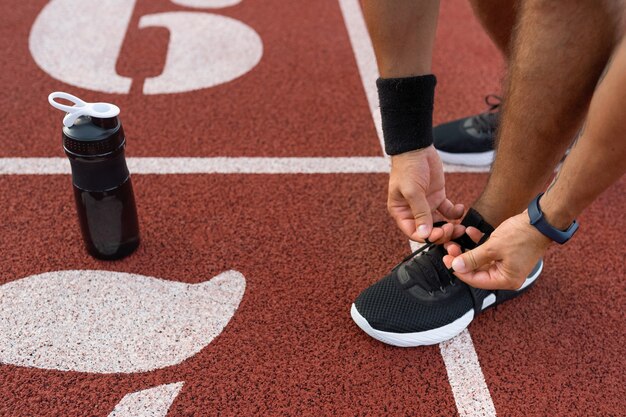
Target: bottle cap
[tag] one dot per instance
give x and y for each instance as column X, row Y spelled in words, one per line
column 81, row 108
column 90, row 129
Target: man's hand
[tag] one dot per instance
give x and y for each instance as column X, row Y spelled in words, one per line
column 417, row 197
column 504, row 261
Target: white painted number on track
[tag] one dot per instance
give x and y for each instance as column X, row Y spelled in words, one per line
column 205, row 50
column 109, row 322
column 152, row 402
column 79, row 42
column 206, row 4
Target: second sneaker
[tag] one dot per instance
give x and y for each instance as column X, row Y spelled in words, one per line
column 469, row 141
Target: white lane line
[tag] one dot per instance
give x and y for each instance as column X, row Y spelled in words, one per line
column 368, row 70
column 365, row 59
column 468, row 384
column 220, row 165
column 216, row 165
column 258, row 165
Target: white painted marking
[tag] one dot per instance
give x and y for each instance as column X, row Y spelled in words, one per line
column 207, row 4
column 466, row 377
column 34, row 166
column 365, row 59
column 78, row 42
column 108, row 322
column 151, row 402
column 205, row 50
column 251, row 165
column 220, row 165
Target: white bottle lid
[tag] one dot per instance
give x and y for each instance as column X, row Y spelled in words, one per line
column 81, row 108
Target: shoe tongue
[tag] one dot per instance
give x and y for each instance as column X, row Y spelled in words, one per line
column 430, row 269
column 474, row 219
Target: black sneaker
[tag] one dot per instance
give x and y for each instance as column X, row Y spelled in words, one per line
column 469, row 141
column 421, row 303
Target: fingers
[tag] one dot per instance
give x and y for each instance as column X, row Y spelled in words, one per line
column 451, row 211
column 414, row 214
column 453, row 250
column 474, row 259
column 441, row 235
column 449, row 231
column 459, row 229
column 421, row 214
column 400, row 211
column 405, row 221
column 474, row 234
column 488, row 278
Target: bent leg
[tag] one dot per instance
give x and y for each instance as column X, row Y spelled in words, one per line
column 498, row 18
column 559, row 52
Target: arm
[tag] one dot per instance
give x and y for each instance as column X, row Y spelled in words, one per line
column 403, row 34
column 597, row 159
column 595, row 162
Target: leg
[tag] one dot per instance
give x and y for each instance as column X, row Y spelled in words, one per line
column 470, row 140
column 498, row 18
column 552, row 75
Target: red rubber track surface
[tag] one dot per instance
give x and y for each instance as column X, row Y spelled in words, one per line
column 307, row 244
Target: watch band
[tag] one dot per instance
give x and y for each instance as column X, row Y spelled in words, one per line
column 538, row 220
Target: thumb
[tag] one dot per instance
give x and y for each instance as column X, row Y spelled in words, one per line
column 422, row 214
column 476, row 258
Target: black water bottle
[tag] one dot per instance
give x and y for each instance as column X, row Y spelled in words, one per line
column 94, row 141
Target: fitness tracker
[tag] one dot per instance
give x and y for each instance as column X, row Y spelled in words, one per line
column 539, row 221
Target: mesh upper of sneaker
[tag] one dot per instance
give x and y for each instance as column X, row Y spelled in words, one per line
column 387, row 306
column 421, row 294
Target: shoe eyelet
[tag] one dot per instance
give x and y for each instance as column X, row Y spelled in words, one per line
column 443, row 290
column 431, row 293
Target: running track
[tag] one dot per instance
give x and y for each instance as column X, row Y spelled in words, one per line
column 268, row 169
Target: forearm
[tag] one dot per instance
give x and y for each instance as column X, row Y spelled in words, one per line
column 403, row 34
column 597, row 159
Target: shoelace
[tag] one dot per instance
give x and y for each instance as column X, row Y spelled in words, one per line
column 439, row 285
column 483, row 122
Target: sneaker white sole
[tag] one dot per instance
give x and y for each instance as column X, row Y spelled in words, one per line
column 470, row 159
column 433, row 336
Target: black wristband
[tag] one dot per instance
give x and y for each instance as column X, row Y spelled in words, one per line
column 406, row 107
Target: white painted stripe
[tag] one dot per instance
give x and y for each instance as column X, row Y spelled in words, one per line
column 258, row 165
column 468, row 384
column 365, row 58
column 219, row 165
column 466, row 377
column 34, row 166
